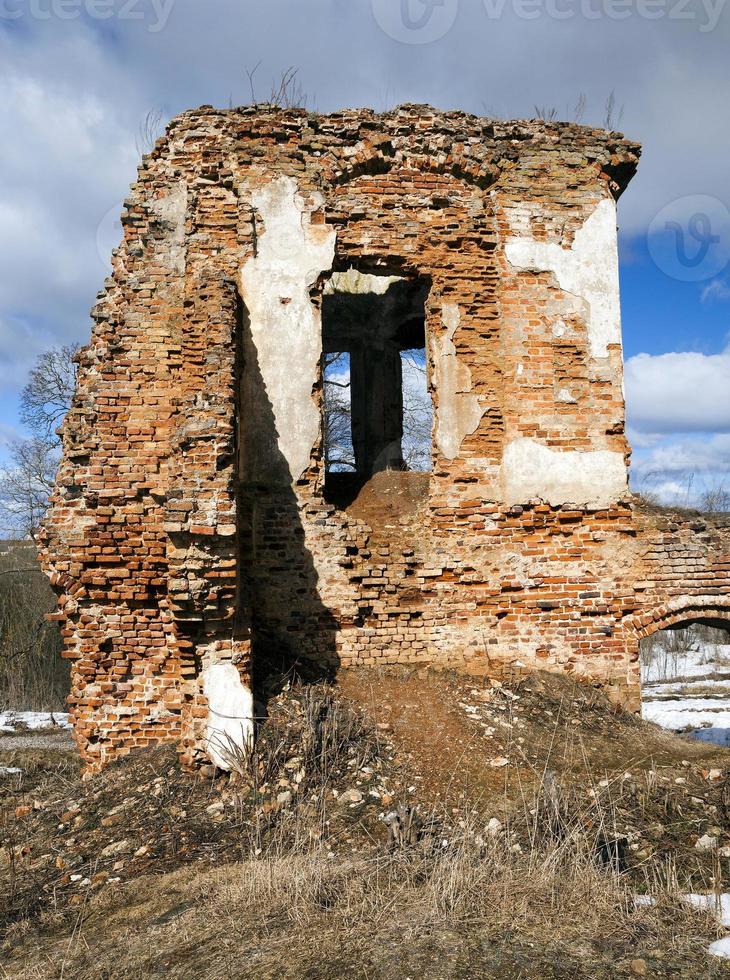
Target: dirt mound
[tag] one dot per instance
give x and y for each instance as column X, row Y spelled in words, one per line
column 530, row 802
column 392, row 502
column 63, row 837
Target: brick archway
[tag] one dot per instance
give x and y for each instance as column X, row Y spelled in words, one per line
column 714, row 610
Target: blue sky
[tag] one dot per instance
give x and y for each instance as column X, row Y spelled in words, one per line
column 78, row 76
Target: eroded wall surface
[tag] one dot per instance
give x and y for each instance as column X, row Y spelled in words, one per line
column 190, row 534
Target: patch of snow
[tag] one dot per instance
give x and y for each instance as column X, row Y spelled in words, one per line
column 721, row 947
column 720, row 685
column 9, row 771
column 688, row 689
column 707, row 659
column 644, row 900
column 719, row 904
column 34, row 720
column 680, row 713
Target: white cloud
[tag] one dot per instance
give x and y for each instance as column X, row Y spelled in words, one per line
column 679, row 470
column 68, row 154
column 72, row 94
column 678, row 392
column 716, row 291
column 690, row 455
column 678, row 406
column 642, row 440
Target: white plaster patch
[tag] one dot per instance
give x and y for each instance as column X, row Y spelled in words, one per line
column 285, row 327
column 588, row 270
column 532, row 471
column 230, row 713
column 459, row 412
column 172, row 209
column 359, row 283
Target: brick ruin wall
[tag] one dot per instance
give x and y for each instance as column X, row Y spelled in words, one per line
column 190, row 527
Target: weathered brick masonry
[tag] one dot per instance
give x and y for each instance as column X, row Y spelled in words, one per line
column 190, row 523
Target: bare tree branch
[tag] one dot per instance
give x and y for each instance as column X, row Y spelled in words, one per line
column 47, row 396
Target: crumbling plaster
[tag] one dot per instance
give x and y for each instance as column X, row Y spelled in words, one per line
column 230, row 721
column 458, row 411
column 286, row 330
column 588, row 270
column 531, row 471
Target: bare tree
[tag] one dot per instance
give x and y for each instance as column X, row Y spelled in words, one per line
column 286, row 91
column 32, row 674
column 417, row 414
column 26, row 484
column 580, row 107
column 613, row 114
column 26, row 481
column 47, row 396
column 338, row 451
column 715, row 499
column 150, row 130
column 548, row 113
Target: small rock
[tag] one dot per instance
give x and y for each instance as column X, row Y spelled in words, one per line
column 499, row 762
column 638, row 968
column 117, row 847
column 494, row 826
column 284, row 799
column 706, row 843
column 351, row 796
column 215, row 809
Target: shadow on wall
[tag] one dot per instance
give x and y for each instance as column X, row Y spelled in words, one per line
column 291, row 628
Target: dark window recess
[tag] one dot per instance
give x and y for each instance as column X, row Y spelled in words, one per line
column 377, row 408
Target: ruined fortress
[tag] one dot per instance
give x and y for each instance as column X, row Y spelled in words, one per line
column 196, row 524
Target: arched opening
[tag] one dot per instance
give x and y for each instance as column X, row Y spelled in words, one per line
column 685, row 676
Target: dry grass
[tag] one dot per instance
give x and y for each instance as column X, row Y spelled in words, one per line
column 318, row 893
column 301, row 905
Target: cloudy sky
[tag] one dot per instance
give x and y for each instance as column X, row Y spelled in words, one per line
column 77, row 77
